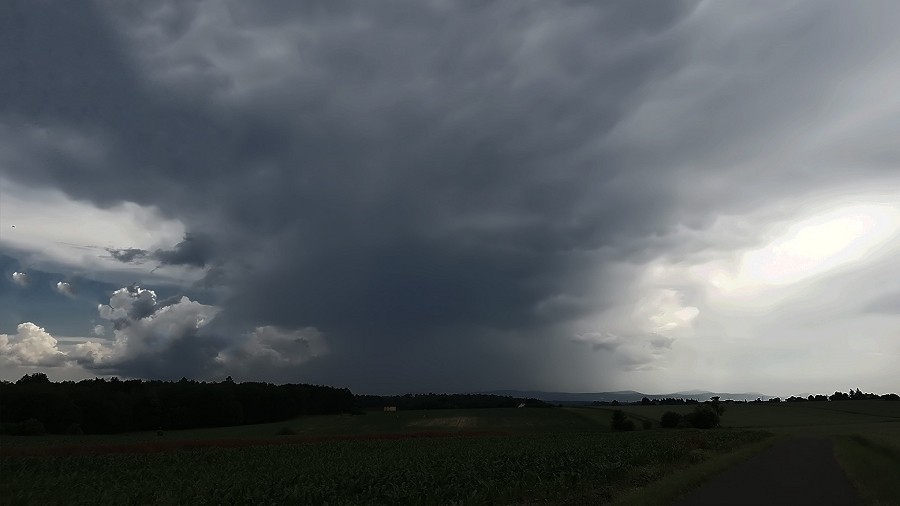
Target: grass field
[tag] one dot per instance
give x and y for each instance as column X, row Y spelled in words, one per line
column 550, row 455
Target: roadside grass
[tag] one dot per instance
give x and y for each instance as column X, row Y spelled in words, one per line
column 872, row 462
column 671, row 486
column 769, row 416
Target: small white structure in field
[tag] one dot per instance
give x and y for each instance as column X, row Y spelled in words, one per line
column 390, row 408
column 521, row 405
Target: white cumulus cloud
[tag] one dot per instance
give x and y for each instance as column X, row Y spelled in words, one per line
column 65, row 288
column 151, row 338
column 20, row 278
column 31, row 345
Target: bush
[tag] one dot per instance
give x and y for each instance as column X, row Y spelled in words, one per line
column 74, row 430
column 620, row 422
column 286, row 431
column 647, row 424
column 703, row 417
column 670, row 419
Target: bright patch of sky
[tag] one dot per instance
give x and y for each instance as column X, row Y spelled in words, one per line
column 57, row 230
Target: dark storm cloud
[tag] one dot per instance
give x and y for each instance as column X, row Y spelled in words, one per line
column 128, row 255
column 196, row 250
column 398, row 174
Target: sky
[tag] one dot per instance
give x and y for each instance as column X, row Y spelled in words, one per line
column 414, row 196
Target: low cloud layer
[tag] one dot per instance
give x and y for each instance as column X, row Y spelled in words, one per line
column 554, row 195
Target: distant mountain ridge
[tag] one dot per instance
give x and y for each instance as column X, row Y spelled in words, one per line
column 624, row 396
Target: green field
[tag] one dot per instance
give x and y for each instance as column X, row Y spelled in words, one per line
column 550, row 467
column 488, row 456
column 502, row 420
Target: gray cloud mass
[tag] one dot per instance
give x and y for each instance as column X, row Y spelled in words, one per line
column 426, row 187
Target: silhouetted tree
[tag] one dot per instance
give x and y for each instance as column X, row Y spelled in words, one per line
column 619, row 421
column 703, row 417
column 34, row 378
column 716, row 406
column 839, row 396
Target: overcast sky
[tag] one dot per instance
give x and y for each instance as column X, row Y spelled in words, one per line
column 443, row 196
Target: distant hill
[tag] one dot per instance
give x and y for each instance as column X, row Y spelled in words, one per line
column 623, row 396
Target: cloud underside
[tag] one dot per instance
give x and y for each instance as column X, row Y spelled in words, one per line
column 195, row 250
column 486, row 189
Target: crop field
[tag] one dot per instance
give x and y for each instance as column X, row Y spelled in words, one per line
column 378, row 423
column 470, row 470
column 485, row 456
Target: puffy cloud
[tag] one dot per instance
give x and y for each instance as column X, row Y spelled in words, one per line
column 128, row 304
column 148, row 336
column 20, row 278
column 146, row 330
column 167, row 339
column 31, row 345
column 273, row 346
column 65, row 288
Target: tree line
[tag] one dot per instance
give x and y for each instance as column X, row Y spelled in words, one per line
column 34, row 404
column 444, row 401
column 851, row 395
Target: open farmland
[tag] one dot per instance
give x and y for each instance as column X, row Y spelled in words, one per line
column 490, row 469
column 371, row 424
column 471, row 456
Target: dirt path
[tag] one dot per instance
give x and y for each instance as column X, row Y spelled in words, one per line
column 800, row 471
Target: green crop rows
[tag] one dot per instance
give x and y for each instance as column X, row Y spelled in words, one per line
column 413, row 471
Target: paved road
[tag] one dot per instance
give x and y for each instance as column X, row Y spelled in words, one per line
column 800, row 471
